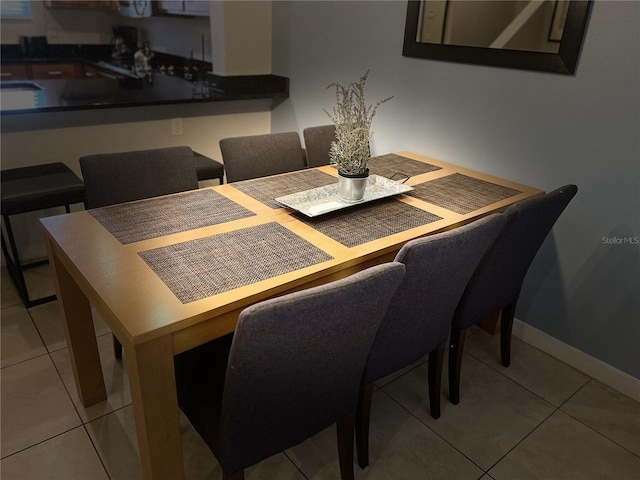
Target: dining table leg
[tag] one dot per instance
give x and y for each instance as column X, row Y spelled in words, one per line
column 79, row 332
column 155, row 407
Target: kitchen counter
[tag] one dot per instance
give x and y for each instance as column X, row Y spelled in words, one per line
column 116, row 87
column 80, row 94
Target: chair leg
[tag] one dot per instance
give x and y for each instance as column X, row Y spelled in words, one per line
column 345, row 427
column 506, row 325
column 16, row 268
column 455, row 362
column 117, row 347
column 363, row 415
column 13, row 262
column 239, row 475
column 435, row 379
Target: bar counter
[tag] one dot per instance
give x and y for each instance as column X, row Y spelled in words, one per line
column 81, row 94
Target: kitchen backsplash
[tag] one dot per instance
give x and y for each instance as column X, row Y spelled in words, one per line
column 163, row 63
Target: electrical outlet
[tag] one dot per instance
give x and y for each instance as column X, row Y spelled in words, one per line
column 176, row 126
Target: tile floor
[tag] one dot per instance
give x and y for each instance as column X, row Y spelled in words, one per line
column 538, row 419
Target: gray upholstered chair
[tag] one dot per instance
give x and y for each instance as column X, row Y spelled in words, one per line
column 496, row 284
column 294, row 369
column 418, row 319
column 111, row 178
column 317, row 142
column 208, row 168
column 261, row 155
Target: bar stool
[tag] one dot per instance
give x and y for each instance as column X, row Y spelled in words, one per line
column 29, row 189
column 207, row 168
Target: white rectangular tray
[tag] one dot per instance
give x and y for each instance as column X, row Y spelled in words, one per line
column 321, row 200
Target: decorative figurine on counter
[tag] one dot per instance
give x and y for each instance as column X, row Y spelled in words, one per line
column 142, row 62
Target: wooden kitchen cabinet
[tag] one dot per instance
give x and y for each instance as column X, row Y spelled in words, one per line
column 51, row 71
column 182, row 7
column 93, row 4
column 90, row 72
column 42, row 71
column 15, row 71
column 196, row 7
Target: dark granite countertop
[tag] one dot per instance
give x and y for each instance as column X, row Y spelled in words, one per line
column 61, row 95
column 125, row 89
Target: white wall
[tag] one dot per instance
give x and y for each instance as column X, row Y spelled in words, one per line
column 241, row 37
column 541, row 129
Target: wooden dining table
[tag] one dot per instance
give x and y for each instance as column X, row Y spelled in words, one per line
column 170, row 273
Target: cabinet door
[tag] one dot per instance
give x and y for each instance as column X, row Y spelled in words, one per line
column 90, row 72
column 95, row 4
column 196, row 7
column 183, row 7
column 105, row 5
column 50, row 71
column 170, row 6
column 15, row 72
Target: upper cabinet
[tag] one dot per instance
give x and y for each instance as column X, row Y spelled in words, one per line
column 160, row 7
column 182, row 7
column 94, row 4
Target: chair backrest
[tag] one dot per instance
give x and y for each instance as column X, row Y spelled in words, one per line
column 317, row 141
column 261, row 155
column 112, row 178
column 296, row 363
column 419, row 315
column 498, row 279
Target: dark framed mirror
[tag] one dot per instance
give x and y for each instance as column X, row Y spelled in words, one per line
column 558, row 27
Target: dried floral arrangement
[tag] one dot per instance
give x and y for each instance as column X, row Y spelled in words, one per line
column 352, row 117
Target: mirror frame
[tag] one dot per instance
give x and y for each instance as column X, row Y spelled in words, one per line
column 564, row 61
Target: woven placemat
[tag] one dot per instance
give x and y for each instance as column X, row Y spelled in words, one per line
column 392, row 164
column 159, row 216
column 208, row 266
column 461, row 193
column 366, row 223
column 265, row 189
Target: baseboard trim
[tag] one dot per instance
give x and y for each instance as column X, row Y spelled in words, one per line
column 597, row 369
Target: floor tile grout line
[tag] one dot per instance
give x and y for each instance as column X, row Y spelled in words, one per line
column 95, row 449
column 35, row 325
column 39, row 442
column 44, row 344
column 555, row 409
column 493, row 365
column 66, row 389
column 293, row 463
column 519, row 442
column 103, row 415
column 501, row 370
column 25, row 360
column 589, row 379
column 83, row 422
column 48, row 354
column 431, row 429
column 589, row 426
